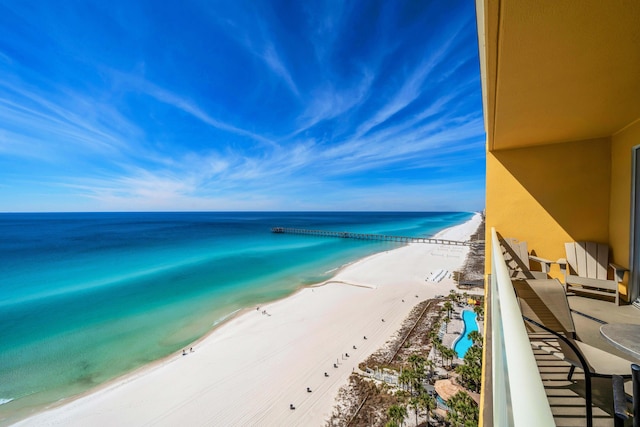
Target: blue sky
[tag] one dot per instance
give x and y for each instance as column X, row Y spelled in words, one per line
column 240, row 105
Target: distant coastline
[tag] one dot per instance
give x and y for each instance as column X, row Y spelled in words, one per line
column 291, row 281
column 299, row 321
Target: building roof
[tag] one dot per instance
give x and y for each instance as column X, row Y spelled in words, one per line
column 558, row 71
column 446, row 389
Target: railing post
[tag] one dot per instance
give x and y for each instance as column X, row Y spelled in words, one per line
column 635, row 377
column 619, row 401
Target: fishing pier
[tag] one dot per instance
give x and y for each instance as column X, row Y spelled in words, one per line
column 366, row 236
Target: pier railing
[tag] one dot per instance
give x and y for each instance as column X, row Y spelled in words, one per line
column 367, row 236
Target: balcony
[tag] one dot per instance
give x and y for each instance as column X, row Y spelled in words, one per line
column 524, row 383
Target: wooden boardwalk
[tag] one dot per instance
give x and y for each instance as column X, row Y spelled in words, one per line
column 365, row 236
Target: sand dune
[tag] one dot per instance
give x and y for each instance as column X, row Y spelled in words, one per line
column 248, row 371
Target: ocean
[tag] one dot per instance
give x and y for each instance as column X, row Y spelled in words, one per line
column 87, row 297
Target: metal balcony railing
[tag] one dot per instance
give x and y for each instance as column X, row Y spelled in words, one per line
column 518, row 396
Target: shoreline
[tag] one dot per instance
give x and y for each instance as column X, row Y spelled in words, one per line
column 358, row 277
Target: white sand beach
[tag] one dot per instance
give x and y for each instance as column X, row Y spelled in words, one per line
column 248, row 371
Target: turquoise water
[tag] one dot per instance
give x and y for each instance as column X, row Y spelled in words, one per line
column 85, row 297
column 442, row 403
column 464, row 343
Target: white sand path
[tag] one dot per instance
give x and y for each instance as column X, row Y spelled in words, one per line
column 248, row 371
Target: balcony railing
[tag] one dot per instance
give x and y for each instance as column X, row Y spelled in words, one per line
column 516, row 388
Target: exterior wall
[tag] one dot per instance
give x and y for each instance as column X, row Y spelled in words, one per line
column 548, row 195
column 620, row 206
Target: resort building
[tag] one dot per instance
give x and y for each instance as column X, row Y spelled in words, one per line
column 561, row 100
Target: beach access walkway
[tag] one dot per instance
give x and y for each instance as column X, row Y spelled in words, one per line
column 367, row 236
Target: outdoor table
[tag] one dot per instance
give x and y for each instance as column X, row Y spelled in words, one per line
column 624, row 336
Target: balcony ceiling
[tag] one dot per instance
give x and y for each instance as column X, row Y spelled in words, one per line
column 557, row 71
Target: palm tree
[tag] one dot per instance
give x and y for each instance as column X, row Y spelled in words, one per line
column 446, row 354
column 473, row 367
column 417, row 366
column 397, row 413
column 448, row 305
column 452, row 355
column 479, row 310
column 437, row 342
column 441, row 349
column 449, row 354
column 429, row 364
column 414, row 402
column 462, row 409
column 475, row 337
column 428, row 403
column 405, row 378
column 433, row 333
column 416, row 361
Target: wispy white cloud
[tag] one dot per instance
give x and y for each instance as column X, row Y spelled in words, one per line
column 157, row 192
column 273, row 60
column 216, row 176
column 423, row 196
column 406, row 144
column 328, row 102
column 327, row 26
column 413, row 84
column 72, row 124
column 135, row 137
column 5, row 58
column 253, row 36
column 184, row 104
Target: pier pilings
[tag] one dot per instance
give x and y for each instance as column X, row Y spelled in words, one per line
column 368, row 236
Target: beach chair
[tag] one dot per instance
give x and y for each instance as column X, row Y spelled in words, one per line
column 591, row 360
column 517, row 257
column 586, row 273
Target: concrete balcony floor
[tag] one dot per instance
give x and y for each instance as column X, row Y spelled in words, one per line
column 567, row 397
column 589, row 330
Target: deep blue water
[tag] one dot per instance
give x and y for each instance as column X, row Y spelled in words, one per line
column 464, row 343
column 86, row 297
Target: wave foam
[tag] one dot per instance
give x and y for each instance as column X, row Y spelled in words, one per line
column 222, row 319
column 3, row 401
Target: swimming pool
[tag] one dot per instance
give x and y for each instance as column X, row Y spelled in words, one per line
column 463, row 343
column 442, row 404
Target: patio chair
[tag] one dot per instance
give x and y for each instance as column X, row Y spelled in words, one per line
column 545, row 301
column 586, row 273
column 593, row 361
column 517, row 257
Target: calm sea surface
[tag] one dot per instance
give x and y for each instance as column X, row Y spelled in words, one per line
column 86, row 297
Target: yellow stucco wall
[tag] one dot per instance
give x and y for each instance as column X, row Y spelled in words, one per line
column 620, row 205
column 548, row 195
